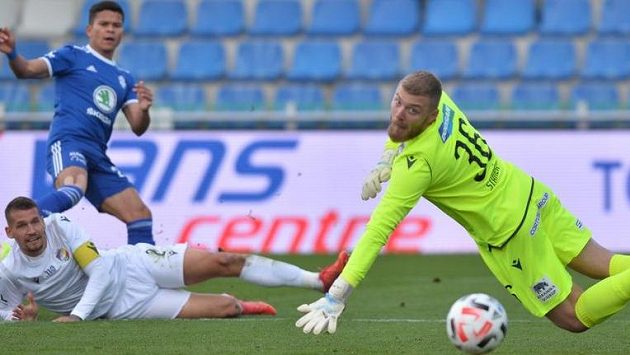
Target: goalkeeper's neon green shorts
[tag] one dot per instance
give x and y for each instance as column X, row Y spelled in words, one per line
column 532, row 264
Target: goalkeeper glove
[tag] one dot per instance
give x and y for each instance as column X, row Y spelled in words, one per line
column 378, row 175
column 324, row 312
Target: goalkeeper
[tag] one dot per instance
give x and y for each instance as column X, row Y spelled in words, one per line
column 524, row 234
column 53, row 263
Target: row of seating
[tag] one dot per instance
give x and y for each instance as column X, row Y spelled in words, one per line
column 554, row 59
column 326, row 17
column 20, row 96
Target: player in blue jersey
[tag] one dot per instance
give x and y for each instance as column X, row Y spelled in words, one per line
column 90, row 91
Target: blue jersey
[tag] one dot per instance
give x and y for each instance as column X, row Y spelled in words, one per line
column 90, row 90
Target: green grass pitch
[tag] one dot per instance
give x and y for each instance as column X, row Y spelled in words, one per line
column 400, row 308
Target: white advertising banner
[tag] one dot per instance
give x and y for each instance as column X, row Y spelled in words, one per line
column 299, row 192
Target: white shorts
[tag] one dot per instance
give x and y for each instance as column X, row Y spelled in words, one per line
column 154, row 282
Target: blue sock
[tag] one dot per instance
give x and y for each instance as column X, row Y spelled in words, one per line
column 140, row 231
column 60, row 200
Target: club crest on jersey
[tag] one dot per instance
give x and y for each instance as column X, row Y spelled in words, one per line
column 446, row 128
column 63, row 254
column 122, row 81
column 105, row 98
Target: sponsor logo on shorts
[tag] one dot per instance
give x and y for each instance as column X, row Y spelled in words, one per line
column 545, row 289
column 77, row 156
column 579, row 224
column 539, row 205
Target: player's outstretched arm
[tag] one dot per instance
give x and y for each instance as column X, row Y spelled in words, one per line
column 21, row 67
column 137, row 114
column 322, row 314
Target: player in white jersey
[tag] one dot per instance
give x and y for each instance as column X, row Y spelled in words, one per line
column 54, row 264
column 90, row 90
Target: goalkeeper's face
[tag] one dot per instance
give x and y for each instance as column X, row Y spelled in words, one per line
column 28, row 229
column 410, row 115
column 106, row 32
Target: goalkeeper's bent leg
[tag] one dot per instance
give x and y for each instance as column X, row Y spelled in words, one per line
column 606, row 297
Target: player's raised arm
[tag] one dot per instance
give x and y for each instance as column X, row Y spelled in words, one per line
column 22, row 68
column 137, row 114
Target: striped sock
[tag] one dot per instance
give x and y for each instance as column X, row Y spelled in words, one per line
column 60, row 200
column 140, row 231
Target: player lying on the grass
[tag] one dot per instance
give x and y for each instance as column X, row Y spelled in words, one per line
column 54, row 263
column 524, row 234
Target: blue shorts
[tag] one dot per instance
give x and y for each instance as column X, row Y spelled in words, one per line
column 104, row 178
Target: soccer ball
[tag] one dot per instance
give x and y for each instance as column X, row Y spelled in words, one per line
column 476, row 323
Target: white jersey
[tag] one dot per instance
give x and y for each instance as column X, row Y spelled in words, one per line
column 55, row 278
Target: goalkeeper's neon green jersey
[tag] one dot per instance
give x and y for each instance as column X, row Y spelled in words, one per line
column 453, row 167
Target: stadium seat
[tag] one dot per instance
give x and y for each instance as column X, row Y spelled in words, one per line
column 565, row 17
column 477, row 96
column 393, row 17
column 450, row 17
column 258, row 60
column 10, row 13
column 596, row 96
column 240, row 97
column 200, row 60
column 607, row 59
column 535, row 96
column 45, row 97
column 162, row 18
column 305, row 97
column 219, row 18
column 514, row 17
column 277, row 18
column 439, row 57
column 15, row 96
column 615, row 19
column 35, row 19
column 335, row 17
column 375, row 60
column 84, row 15
column 146, row 60
column 357, row 97
column 553, row 59
column 315, row 60
column 182, row 97
column 491, row 59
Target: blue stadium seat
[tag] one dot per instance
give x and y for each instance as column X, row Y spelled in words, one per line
column 535, row 96
column 553, row 59
column 357, row 97
column 15, row 96
column 316, row 60
column 258, row 60
column 45, row 97
column 477, row 96
column 219, row 18
column 597, row 96
column 513, row 17
column 240, row 97
column 615, row 19
column 335, row 17
column 491, row 59
column 200, row 60
column 393, row 17
column 28, row 49
column 450, row 17
column 162, row 18
column 565, row 17
column 375, row 60
column 79, row 29
column 305, row 97
column 439, row 57
column 146, row 60
column 182, row 97
column 277, row 18
column 607, row 59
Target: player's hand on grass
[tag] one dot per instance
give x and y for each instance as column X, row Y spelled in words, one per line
column 323, row 314
column 27, row 311
column 67, row 319
column 380, row 174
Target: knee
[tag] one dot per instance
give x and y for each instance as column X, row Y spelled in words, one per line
column 229, row 262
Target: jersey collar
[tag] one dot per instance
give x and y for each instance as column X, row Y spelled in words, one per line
column 99, row 56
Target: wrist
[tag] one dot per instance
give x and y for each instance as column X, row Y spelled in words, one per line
column 13, row 54
column 340, row 290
